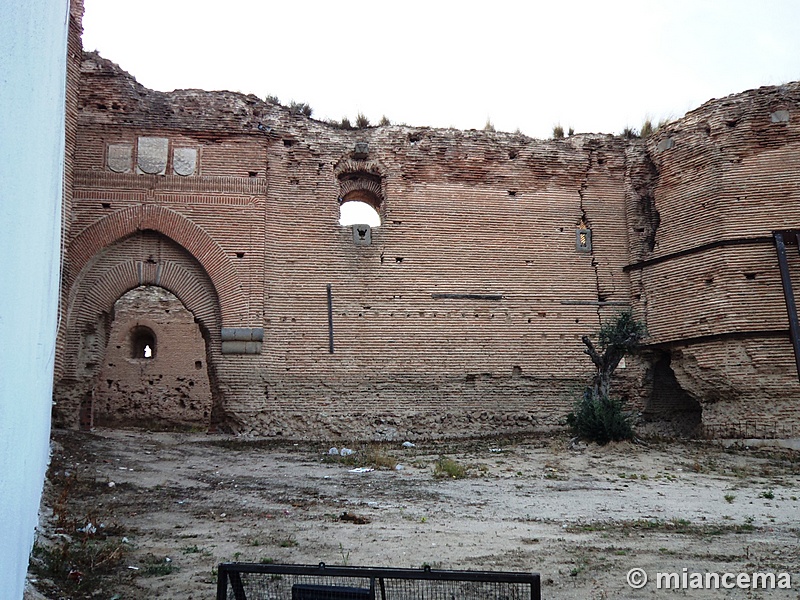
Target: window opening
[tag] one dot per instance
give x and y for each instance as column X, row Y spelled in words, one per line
column 358, row 213
column 143, row 342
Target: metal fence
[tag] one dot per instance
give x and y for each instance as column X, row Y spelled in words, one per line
column 247, row 581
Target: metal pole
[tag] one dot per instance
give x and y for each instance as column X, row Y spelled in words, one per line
column 788, row 294
column 330, row 319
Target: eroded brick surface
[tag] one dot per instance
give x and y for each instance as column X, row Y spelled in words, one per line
column 464, row 312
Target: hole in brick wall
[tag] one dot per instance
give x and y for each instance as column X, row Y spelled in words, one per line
column 288, row 143
column 240, row 255
column 115, row 106
column 101, row 106
column 512, row 193
column 512, row 154
column 749, row 275
column 398, row 259
column 516, row 371
column 732, row 123
column 106, row 204
column 601, row 297
column 198, row 364
column 252, row 173
column 601, row 161
column 143, row 342
column 709, row 281
column 354, row 212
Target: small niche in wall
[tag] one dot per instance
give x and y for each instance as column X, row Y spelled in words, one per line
column 583, row 239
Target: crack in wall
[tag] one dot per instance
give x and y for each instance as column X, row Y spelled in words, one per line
column 585, row 221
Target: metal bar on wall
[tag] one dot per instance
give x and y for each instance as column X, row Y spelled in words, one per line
column 788, row 294
column 330, row 319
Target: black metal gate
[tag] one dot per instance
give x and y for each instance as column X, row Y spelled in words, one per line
column 246, row 581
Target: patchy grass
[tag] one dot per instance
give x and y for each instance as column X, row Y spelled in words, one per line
column 87, row 548
column 374, row 456
column 153, row 566
column 447, row 468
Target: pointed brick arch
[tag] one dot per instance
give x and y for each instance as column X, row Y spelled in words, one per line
column 176, row 227
column 102, row 282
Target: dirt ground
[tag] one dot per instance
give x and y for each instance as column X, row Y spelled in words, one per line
column 130, row 514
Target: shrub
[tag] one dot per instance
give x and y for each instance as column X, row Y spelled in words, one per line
column 600, row 419
column 629, row 133
column 362, row 122
column 345, row 124
column 647, row 128
column 558, row 132
column 300, row 108
column 384, row 121
column 489, row 126
column 571, row 132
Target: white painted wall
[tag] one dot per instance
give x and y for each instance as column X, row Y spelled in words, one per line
column 33, row 38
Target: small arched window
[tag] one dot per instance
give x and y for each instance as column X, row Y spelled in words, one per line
column 143, row 342
column 354, row 212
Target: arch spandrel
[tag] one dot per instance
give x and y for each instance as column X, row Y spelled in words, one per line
column 192, row 238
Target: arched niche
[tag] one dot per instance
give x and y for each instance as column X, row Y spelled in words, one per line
column 154, row 370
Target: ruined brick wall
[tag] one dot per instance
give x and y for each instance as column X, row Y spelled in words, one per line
column 467, row 214
column 704, row 269
column 463, row 313
column 165, row 386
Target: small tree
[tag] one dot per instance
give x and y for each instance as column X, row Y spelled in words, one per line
column 598, row 416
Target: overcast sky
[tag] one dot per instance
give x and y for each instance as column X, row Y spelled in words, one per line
column 597, row 66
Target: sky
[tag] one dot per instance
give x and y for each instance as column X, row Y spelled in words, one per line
column 596, row 66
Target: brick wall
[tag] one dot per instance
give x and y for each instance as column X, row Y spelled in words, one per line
column 464, row 314
column 710, row 289
column 167, row 386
